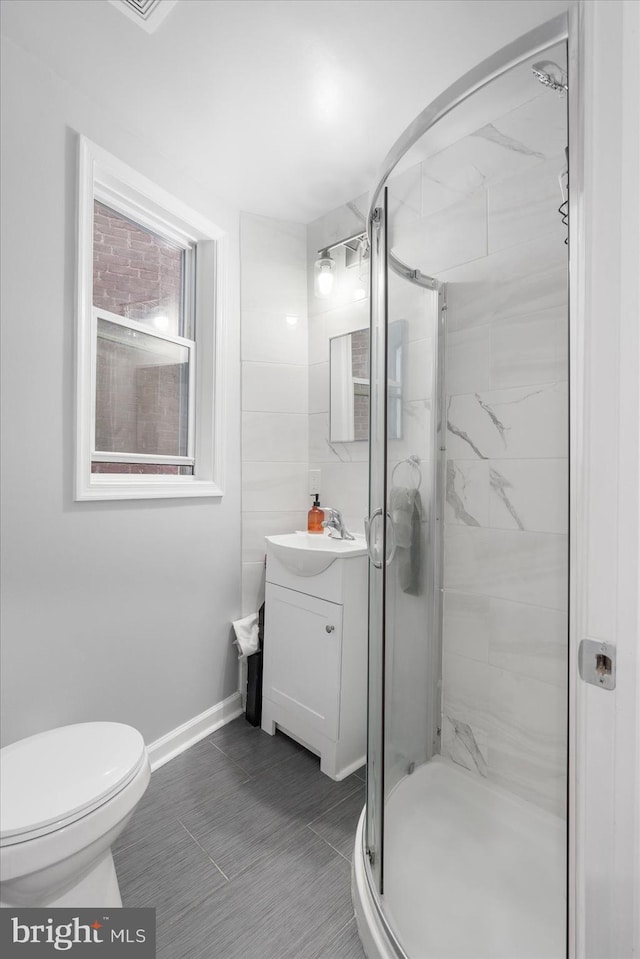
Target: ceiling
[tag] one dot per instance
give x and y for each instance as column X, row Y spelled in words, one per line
column 287, row 106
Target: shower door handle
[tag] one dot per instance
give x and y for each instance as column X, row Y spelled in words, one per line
column 369, row 528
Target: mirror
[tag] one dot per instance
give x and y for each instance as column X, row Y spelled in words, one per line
column 349, row 384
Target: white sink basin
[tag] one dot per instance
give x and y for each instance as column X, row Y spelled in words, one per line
column 307, row 554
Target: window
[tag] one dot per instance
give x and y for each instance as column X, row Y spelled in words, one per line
column 149, row 339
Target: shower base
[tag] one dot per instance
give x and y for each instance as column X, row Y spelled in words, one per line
column 471, row 872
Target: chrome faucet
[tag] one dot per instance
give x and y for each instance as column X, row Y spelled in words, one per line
column 337, row 529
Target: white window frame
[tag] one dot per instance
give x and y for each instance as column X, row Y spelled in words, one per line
column 104, row 178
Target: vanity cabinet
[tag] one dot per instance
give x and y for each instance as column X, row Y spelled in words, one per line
column 315, row 660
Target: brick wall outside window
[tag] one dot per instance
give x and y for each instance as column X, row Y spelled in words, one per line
column 136, row 274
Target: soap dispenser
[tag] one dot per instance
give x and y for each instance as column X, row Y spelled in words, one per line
column 315, row 517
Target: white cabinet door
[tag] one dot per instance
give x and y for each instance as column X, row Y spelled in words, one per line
column 302, row 657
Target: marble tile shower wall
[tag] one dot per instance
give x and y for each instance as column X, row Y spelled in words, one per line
column 343, row 466
column 482, row 217
column 274, row 390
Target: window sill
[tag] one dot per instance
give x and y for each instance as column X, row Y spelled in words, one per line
column 146, row 488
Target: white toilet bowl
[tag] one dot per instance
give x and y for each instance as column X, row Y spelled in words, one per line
column 66, row 795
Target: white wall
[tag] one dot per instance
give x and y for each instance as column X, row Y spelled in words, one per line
column 605, row 483
column 111, row 611
column 274, row 391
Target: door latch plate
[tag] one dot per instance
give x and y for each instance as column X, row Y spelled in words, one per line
column 597, row 663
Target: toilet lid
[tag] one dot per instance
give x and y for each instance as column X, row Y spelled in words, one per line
column 62, row 773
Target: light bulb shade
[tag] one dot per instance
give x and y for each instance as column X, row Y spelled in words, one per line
column 324, row 274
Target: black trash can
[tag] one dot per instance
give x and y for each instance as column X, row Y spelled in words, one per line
column 254, row 677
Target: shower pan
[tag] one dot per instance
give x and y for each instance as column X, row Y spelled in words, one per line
column 461, row 849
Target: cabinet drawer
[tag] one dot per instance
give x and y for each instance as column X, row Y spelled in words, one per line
column 302, row 657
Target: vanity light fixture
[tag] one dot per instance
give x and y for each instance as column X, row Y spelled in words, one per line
column 324, row 274
column 325, row 266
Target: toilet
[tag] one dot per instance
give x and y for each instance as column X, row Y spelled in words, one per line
column 66, row 795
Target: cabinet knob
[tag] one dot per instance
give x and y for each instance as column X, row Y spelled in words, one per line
column 329, row 629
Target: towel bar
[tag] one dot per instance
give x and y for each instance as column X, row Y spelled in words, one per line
column 414, row 462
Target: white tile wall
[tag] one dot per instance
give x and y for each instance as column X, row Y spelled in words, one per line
column 468, row 491
column 319, row 387
column 529, row 640
column 274, row 387
column 263, row 523
column 527, row 494
column 526, row 205
column 279, row 286
column 508, row 564
column 411, row 304
column 465, row 167
column 275, row 437
column 419, row 370
column 521, row 422
column 465, row 693
column 468, row 360
column 346, row 487
column 275, row 426
column 278, row 487
column 469, row 625
column 267, row 337
column 520, row 280
column 521, row 638
column 518, row 350
column 527, row 739
column 446, row 239
column 505, row 575
column 529, row 348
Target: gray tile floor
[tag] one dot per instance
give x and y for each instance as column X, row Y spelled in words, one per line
column 244, row 848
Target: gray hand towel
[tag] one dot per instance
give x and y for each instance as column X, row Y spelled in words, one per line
column 405, row 510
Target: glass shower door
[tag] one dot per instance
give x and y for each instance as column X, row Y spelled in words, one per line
column 412, row 614
column 403, row 531
column 377, row 543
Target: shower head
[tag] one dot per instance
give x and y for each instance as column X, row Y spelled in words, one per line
column 551, row 75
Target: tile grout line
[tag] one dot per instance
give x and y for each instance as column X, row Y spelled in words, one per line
column 278, row 762
column 326, row 841
column 248, row 774
column 335, row 806
column 335, row 937
column 204, row 851
column 136, row 842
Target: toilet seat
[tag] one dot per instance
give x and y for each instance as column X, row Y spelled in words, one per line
column 54, row 778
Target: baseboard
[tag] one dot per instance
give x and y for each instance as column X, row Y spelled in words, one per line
column 175, row 742
column 352, row 768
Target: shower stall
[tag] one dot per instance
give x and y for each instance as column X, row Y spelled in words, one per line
column 462, row 847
